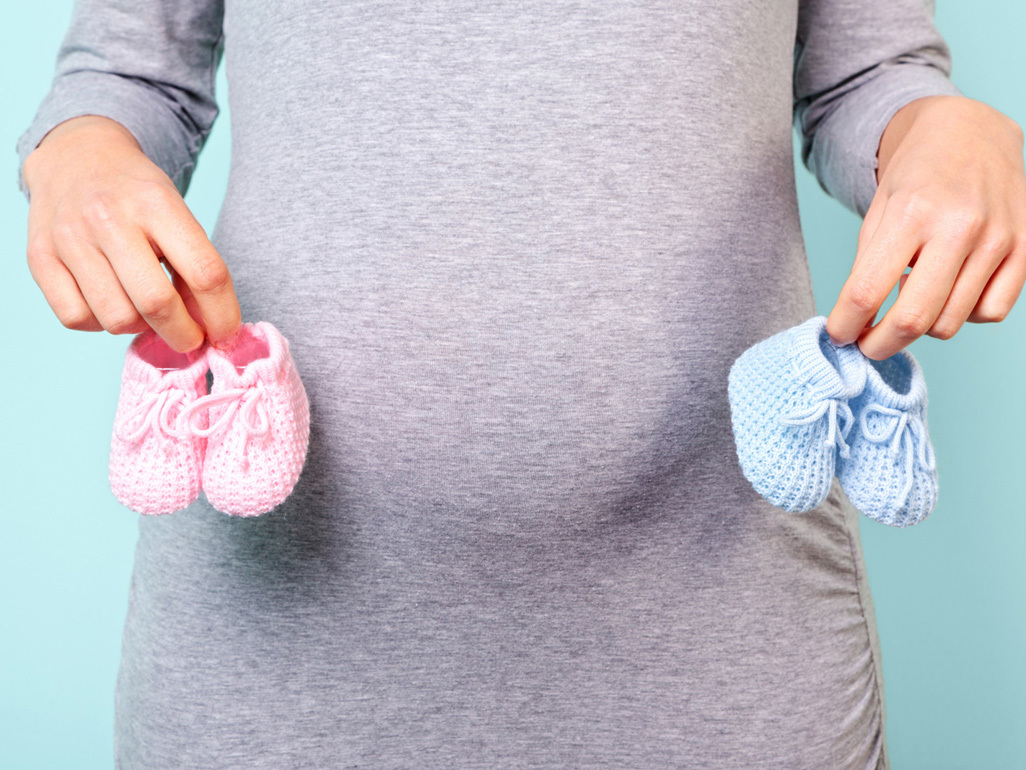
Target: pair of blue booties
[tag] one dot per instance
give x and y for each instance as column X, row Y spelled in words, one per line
column 804, row 410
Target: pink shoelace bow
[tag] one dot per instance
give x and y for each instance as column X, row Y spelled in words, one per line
column 151, row 413
column 249, row 402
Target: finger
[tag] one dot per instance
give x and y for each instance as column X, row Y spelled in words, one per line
column 920, row 299
column 874, row 274
column 180, row 238
column 59, row 288
column 129, row 252
column 972, row 280
column 186, row 294
column 869, row 225
column 98, row 283
column 1003, row 289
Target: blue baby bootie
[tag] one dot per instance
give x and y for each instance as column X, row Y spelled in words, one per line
column 788, row 398
column 891, row 473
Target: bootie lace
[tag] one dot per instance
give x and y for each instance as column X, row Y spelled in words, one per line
column 901, row 431
column 834, row 408
column 248, row 402
column 152, row 413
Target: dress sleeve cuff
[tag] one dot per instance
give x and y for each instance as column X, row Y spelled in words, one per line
column 128, row 101
column 850, row 138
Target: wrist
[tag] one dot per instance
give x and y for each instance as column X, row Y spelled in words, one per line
column 74, row 132
column 898, row 128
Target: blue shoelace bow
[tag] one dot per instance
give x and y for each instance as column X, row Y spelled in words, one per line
column 902, row 430
column 836, row 435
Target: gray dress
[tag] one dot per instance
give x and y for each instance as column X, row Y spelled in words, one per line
column 516, row 247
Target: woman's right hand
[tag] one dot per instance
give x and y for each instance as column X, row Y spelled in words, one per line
column 102, row 216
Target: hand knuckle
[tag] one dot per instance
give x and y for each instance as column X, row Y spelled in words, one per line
column 966, row 223
column 121, row 322
column 211, row 275
column 151, row 197
column 911, row 322
column 68, row 231
column 156, row 303
column 944, row 330
column 995, row 314
column 99, row 209
column 999, row 242
column 74, row 317
column 919, row 207
column 38, row 250
column 862, row 296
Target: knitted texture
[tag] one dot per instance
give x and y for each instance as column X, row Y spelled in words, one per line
column 891, row 473
column 789, row 409
column 154, row 468
column 258, row 423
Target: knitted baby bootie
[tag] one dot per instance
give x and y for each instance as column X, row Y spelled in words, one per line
column 891, row 473
column 788, row 395
column 154, row 467
column 259, row 423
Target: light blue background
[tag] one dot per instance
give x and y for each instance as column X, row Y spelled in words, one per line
column 950, row 593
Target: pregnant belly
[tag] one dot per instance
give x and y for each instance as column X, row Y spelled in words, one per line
column 514, row 399
column 476, row 364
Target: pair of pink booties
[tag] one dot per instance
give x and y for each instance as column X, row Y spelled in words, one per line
column 243, row 444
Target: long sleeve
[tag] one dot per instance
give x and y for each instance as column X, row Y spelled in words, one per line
column 150, row 66
column 857, row 62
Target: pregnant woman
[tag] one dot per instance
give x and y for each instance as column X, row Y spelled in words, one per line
column 515, row 247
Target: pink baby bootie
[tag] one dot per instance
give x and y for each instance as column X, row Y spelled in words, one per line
column 155, row 468
column 258, row 423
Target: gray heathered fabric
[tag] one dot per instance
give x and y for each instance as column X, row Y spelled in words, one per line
column 516, row 247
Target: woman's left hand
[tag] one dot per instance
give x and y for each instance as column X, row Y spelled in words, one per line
column 951, row 203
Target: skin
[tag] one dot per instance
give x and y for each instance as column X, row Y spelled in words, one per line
column 102, row 219
column 951, row 204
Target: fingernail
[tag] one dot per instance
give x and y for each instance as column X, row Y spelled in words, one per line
column 838, row 341
column 227, row 343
